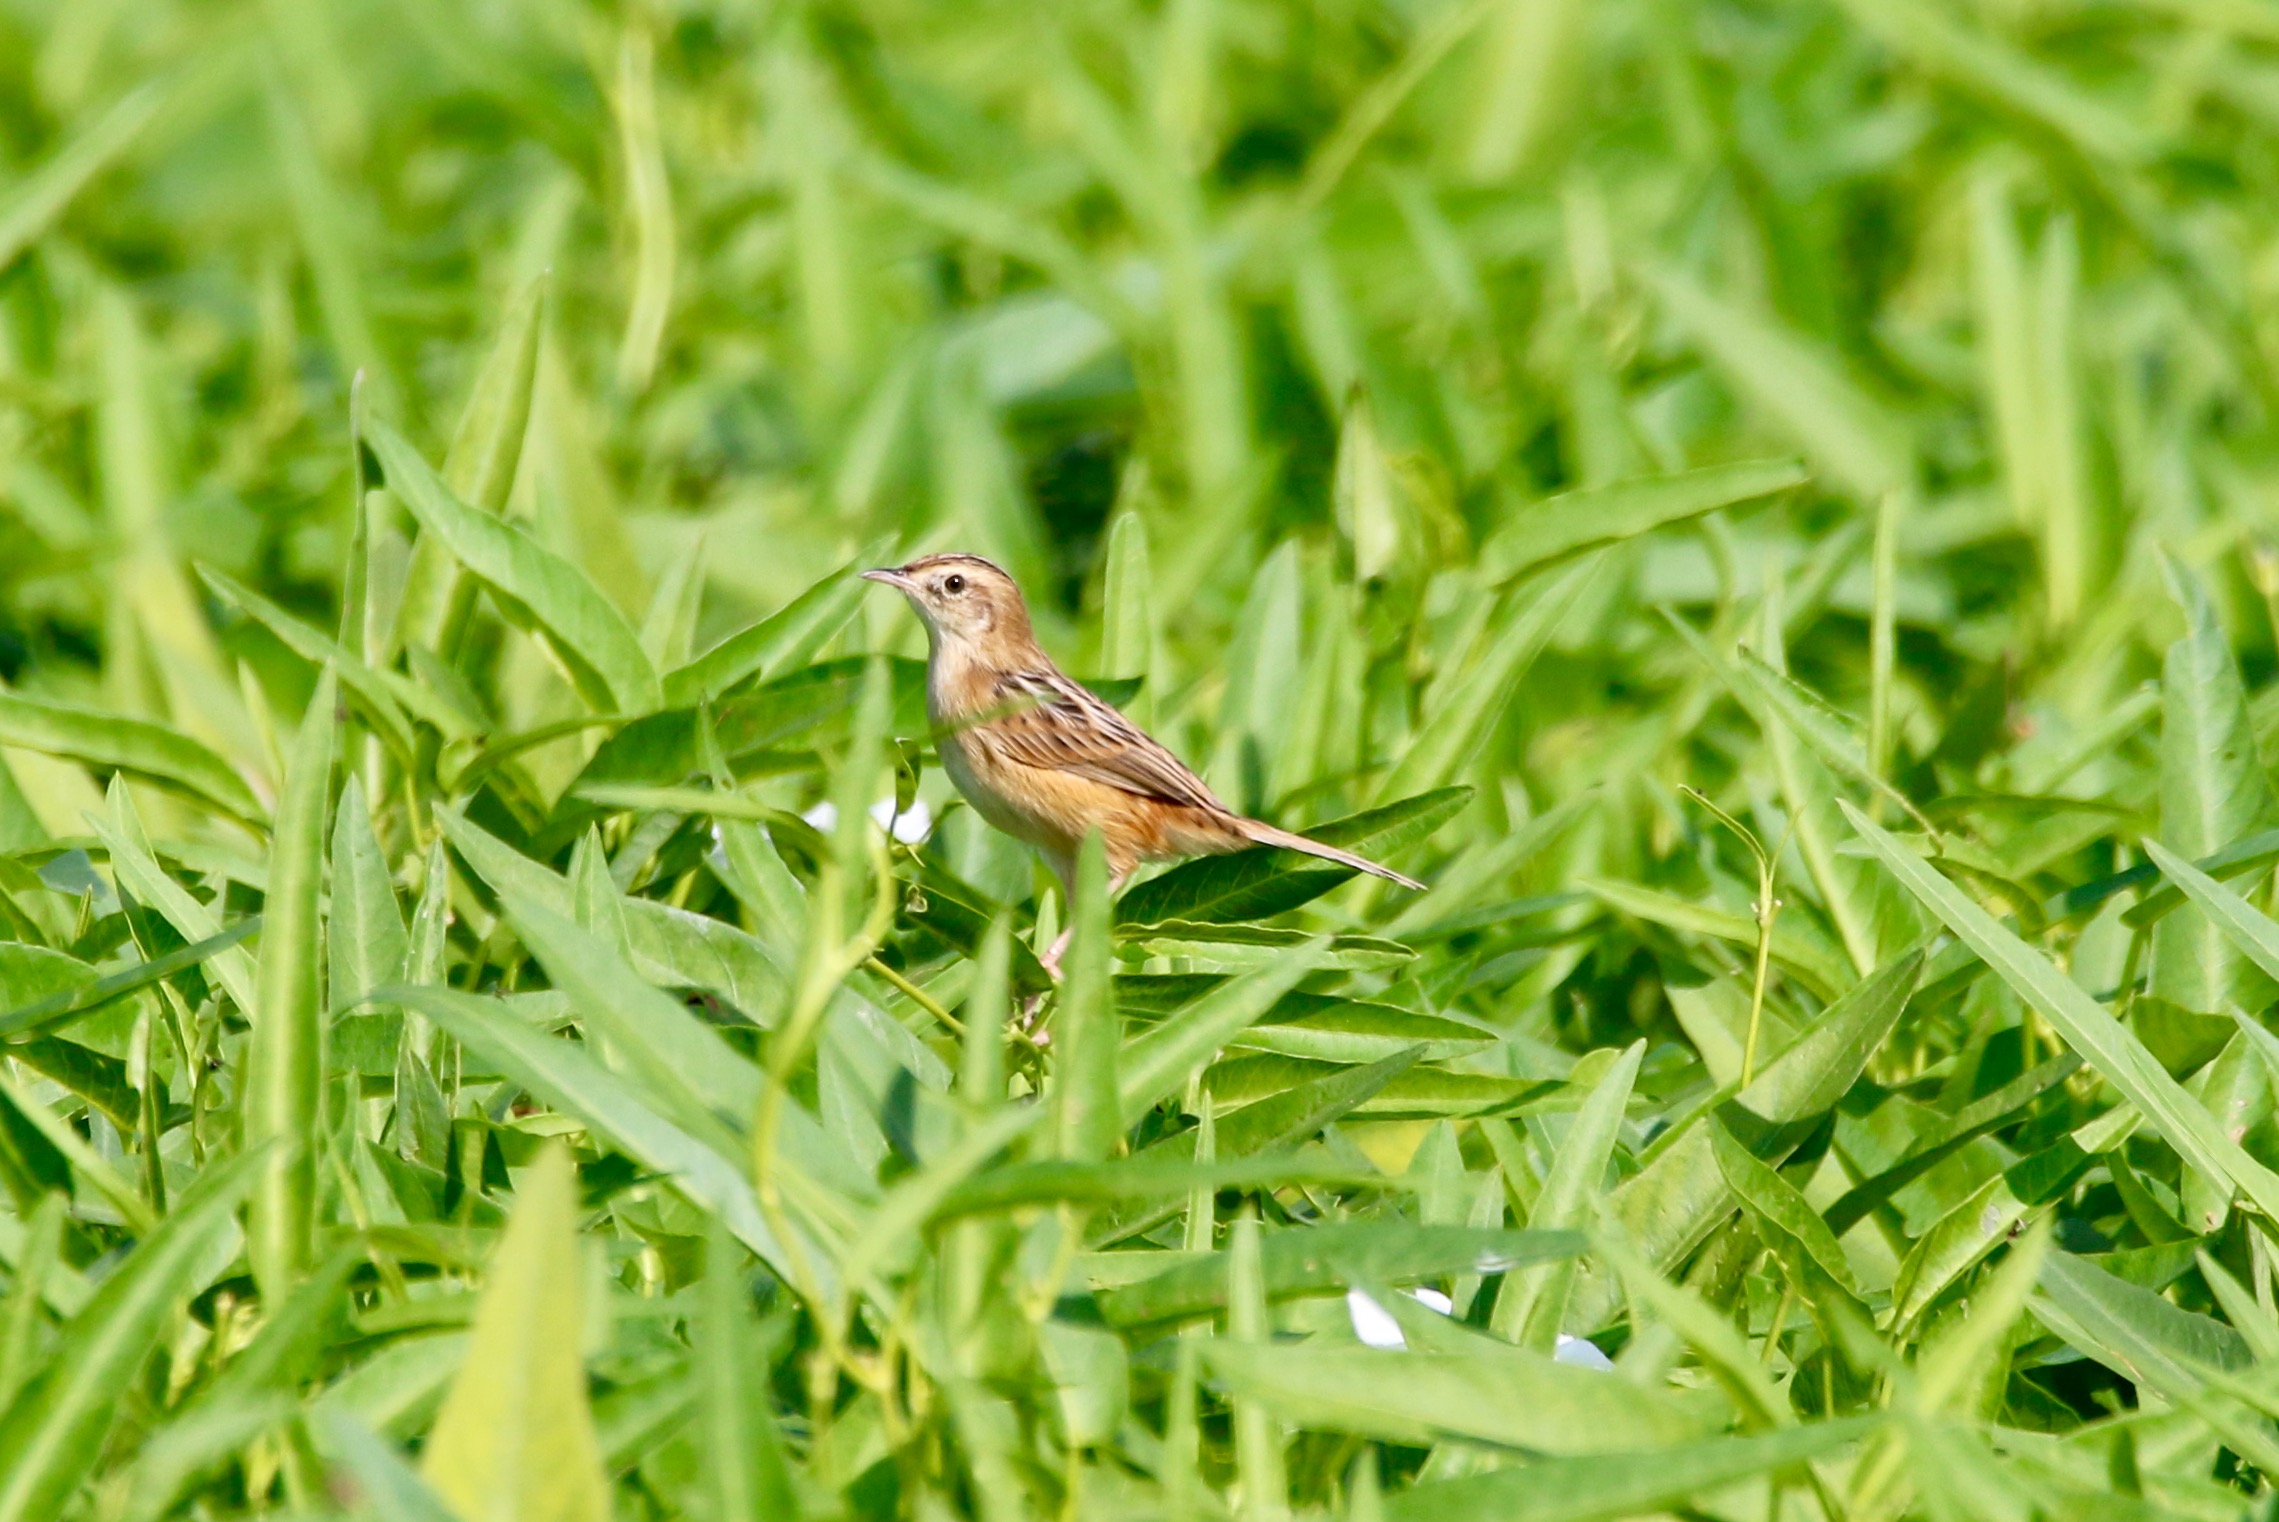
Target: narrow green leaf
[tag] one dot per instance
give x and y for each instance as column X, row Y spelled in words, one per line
column 746, row 1470
column 382, row 699
column 1861, row 447
column 778, row 643
column 480, row 466
column 1562, row 526
column 1463, row 710
column 148, row 751
column 33, row 202
column 1512, row 1397
column 1259, row 883
column 1812, row 964
column 673, row 1054
column 285, row 1060
column 1089, row 1183
column 1785, row 1220
column 52, row 1434
column 2087, row 1027
column 1671, row 1204
column 537, row 587
column 1532, row 1305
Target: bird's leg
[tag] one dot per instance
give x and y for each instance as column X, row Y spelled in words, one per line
column 1050, row 958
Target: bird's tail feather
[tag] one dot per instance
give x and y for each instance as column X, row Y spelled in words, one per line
column 1267, row 835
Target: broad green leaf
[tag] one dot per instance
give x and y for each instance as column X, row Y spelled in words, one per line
column 781, row 642
column 1532, row 1304
column 1256, row 884
column 671, row 947
column 1608, row 1488
column 678, row 1059
column 1787, row 1222
column 1672, row 1203
column 364, row 931
column 1514, row 1398
column 1558, row 527
column 515, row 1437
column 539, row 588
column 152, row 752
column 1086, row 1030
column 285, row 1060
column 380, row 699
column 1154, row 1064
column 2137, row 1333
column 1958, row 1131
column 1127, row 617
column 573, row 1083
column 1019, row 1184
column 1240, row 947
column 2213, row 790
column 2102, row 1041
column 52, row 1434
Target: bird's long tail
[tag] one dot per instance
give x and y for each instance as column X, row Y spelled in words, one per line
column 1267, row 835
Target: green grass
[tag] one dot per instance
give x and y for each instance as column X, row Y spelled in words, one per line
column 1765, row 506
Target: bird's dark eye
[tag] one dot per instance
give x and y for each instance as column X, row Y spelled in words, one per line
column 953, row 585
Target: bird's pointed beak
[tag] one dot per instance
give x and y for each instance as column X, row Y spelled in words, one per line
column 889, row 577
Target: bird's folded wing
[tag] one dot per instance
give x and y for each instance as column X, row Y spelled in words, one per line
column 1049, row 722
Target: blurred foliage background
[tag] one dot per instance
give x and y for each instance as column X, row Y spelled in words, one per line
column 1767, row 504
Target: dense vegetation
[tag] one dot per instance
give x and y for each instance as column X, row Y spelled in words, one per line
column 1765, row 505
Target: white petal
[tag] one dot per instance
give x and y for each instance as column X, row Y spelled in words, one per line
column 1434, row 1299
column 1581, row 1352
column 824, row 816
column 1372, row 1323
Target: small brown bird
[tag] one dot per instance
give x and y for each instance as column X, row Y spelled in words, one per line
column 1043, row 759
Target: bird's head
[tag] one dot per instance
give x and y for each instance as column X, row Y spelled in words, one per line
column 962, row 598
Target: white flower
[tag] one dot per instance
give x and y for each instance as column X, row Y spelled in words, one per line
column 909, row 827
column 1582, row 1353
column 1372, row 1323
column 1376, row 1327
